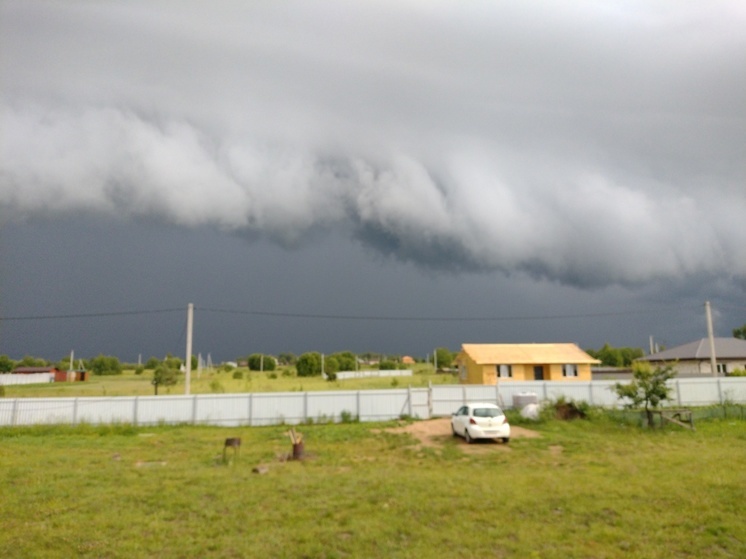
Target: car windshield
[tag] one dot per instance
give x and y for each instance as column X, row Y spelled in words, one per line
column 487, row 412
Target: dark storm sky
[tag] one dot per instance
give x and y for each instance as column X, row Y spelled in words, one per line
column 567, row 171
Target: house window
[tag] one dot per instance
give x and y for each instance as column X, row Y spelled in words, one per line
column 462, row 371
column 569, row 370
column 722, row 368
column 504, row 371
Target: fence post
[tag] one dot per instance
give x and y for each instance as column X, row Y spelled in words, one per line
column 305, row 406
column 720, row 391
column 251, row 409
column 590, row 393
column 75, row 411
column 409, row 398
column 134, row 411
column 544, row 385
column 14, row 413
column 357, row 404
column 463, row 394
column 194, row 409
column 429, row 399
column 678, row 392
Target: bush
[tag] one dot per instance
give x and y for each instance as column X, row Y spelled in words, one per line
column 259, row 362
column 152, row 363
column 2, row 391
column 164, row 376
column 309, row 364
column 139, row 370
column 346, row 360
column 105, row 365
column 238, row 374
column 387, row 365
column 737, row 373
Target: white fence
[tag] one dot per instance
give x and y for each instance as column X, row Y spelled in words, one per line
column 374, row 374
column 367, row 405
column 31, row 378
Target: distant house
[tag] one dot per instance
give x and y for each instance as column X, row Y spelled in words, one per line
column 490, row 363
column 407, row 360
column 59, row 376
column 693, row 359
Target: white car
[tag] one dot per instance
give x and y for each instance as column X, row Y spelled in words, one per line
column 480, row 421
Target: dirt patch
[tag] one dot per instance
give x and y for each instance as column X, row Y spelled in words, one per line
column 434, row 432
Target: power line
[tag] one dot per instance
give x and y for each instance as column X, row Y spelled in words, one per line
column 441, row 318
column 380, row 318
column 88, row 315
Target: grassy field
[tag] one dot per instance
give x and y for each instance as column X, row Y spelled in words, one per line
column 218, row 381
column 583, row 489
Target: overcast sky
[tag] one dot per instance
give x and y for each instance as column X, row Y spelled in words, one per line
column 372, row 176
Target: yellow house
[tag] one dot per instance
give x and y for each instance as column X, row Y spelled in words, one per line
column 488, row 363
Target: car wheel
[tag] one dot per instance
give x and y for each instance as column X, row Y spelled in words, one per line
column 467, row 437
column 506, row 440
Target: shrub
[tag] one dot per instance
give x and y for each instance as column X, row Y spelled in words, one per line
column 309, row 364
column 139, row 370
column 2, row 391
column 238, row 374
column 164, row 376
column 387, row 365
column 347, row 417
column 647, row 389
column 259, row 362
column 346, row 360
column 216, row 387
column 105, row 365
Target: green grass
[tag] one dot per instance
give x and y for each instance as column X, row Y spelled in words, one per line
column 218, row 381
column 595, row 489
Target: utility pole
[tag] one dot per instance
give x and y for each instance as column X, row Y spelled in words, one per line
column 190, row 324
column 713, row 358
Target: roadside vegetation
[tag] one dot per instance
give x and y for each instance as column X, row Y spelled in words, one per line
column 285, row 378
column 600, row 487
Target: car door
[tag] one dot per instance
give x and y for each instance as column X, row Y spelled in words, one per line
column 459, row 420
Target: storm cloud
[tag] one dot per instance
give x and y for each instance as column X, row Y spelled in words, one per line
column 588, row 143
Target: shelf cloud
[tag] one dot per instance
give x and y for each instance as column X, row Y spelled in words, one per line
column 586, row 143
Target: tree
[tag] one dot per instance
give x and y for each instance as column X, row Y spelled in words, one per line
column 388, row 365
column 105, row 365
column 30, row 361
column 164, row 376
column 6, row 364
column 173, row 362
column 331, row 367
column 259, row 362
column 616, row 356
column 346, row 360
column 648, row 388
column 740, row 333
column 287, row 358
column 443, row 358
column 152, row 363
column 309, row 364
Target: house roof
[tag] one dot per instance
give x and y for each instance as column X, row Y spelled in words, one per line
column 32, row 370
column 725, row 348
column 487, row 354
